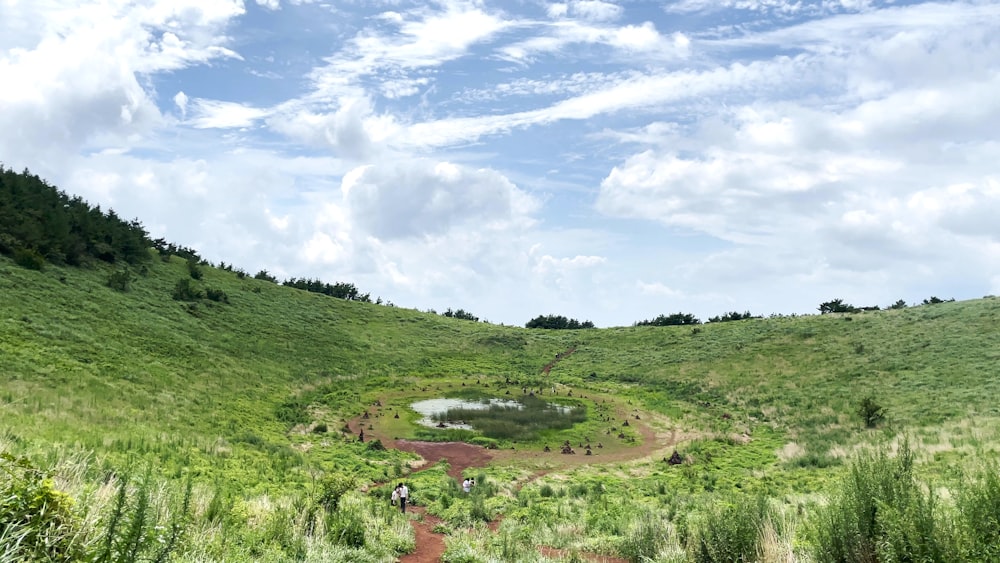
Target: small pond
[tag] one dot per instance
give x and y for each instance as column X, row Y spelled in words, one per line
column 435, row 410
column 517, row 419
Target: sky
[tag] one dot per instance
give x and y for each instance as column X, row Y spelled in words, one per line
column 603, row 160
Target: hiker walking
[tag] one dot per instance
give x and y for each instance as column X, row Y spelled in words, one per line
column 466, row 486
column 395, row 496
column 403, row 494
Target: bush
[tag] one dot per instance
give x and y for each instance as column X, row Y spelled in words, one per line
column 264, row 275
column 36, row 520
column 871, row 412
column 193, row 268
column 29, row 258
column 730, row 531
column 120, row 279
column 645, row 539
column 216, row 295
column 346, row 528
column 881, row 513
column 331, row 489
column 979, row 508
column 185, row 290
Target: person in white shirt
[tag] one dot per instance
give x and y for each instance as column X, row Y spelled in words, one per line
column 466, row 486
column 403, row 494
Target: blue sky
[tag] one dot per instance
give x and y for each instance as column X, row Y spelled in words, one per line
column 603, row 160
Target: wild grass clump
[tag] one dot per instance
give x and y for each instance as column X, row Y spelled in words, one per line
column 140, row 524
column 646, row 537
column 979, row 516
column 882, row 513
column 37, row 522
column 730, row 530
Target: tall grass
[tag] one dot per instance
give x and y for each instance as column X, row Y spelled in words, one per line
column 881, row 512
column 730, row 530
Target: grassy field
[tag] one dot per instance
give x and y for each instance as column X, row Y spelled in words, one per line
column 227, row 417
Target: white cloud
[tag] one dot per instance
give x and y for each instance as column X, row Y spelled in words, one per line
column 649, row 92
column 351, row 131
column 181, row 101
column 549, row 264
column 215, row 114
column 657, row 288
column 423, row 198
column 557, row 9
column 420, row 39
column 629, row 40
column 79, row 70
column 595, row 10
column 776, row 6
column 744, row 163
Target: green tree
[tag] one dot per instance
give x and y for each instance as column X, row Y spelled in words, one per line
column 836, row 306
column 871, row 412
column 675, row 319
column 557, row 322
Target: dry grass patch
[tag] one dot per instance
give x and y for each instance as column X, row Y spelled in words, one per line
column 790, row 451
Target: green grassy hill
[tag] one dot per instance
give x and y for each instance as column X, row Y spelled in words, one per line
column 97, row 384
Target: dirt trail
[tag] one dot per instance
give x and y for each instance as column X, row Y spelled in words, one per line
column 430, row 546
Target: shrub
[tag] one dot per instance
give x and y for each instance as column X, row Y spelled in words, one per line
column 216, row 295
column 120, row 279
column 193, row 268
column 29, row 258
column 36, row 520
column 346, row 528
column 331, row 489
column 264, row 275
column 881, row 513
column 979, row 508
column 645, row 539
column 8, row 244
column 185, row 290
column 730, row 531
column 871, row 412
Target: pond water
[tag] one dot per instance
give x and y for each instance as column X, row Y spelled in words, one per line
column 431, row 407
column 486, row 413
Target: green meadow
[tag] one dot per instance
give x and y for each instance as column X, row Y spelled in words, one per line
column 138, row 427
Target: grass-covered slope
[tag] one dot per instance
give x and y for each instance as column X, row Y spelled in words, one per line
column 83, row 362
column 225, row 394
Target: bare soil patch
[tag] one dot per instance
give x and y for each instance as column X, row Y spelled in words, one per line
column 430, row 546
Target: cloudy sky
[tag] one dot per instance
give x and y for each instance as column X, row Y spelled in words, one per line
column 603, row 160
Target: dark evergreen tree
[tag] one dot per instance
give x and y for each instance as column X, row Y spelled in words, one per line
column 675, row 319
column 38, row 219
column 732, row 316
column 837, row 306
column 557, row 322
